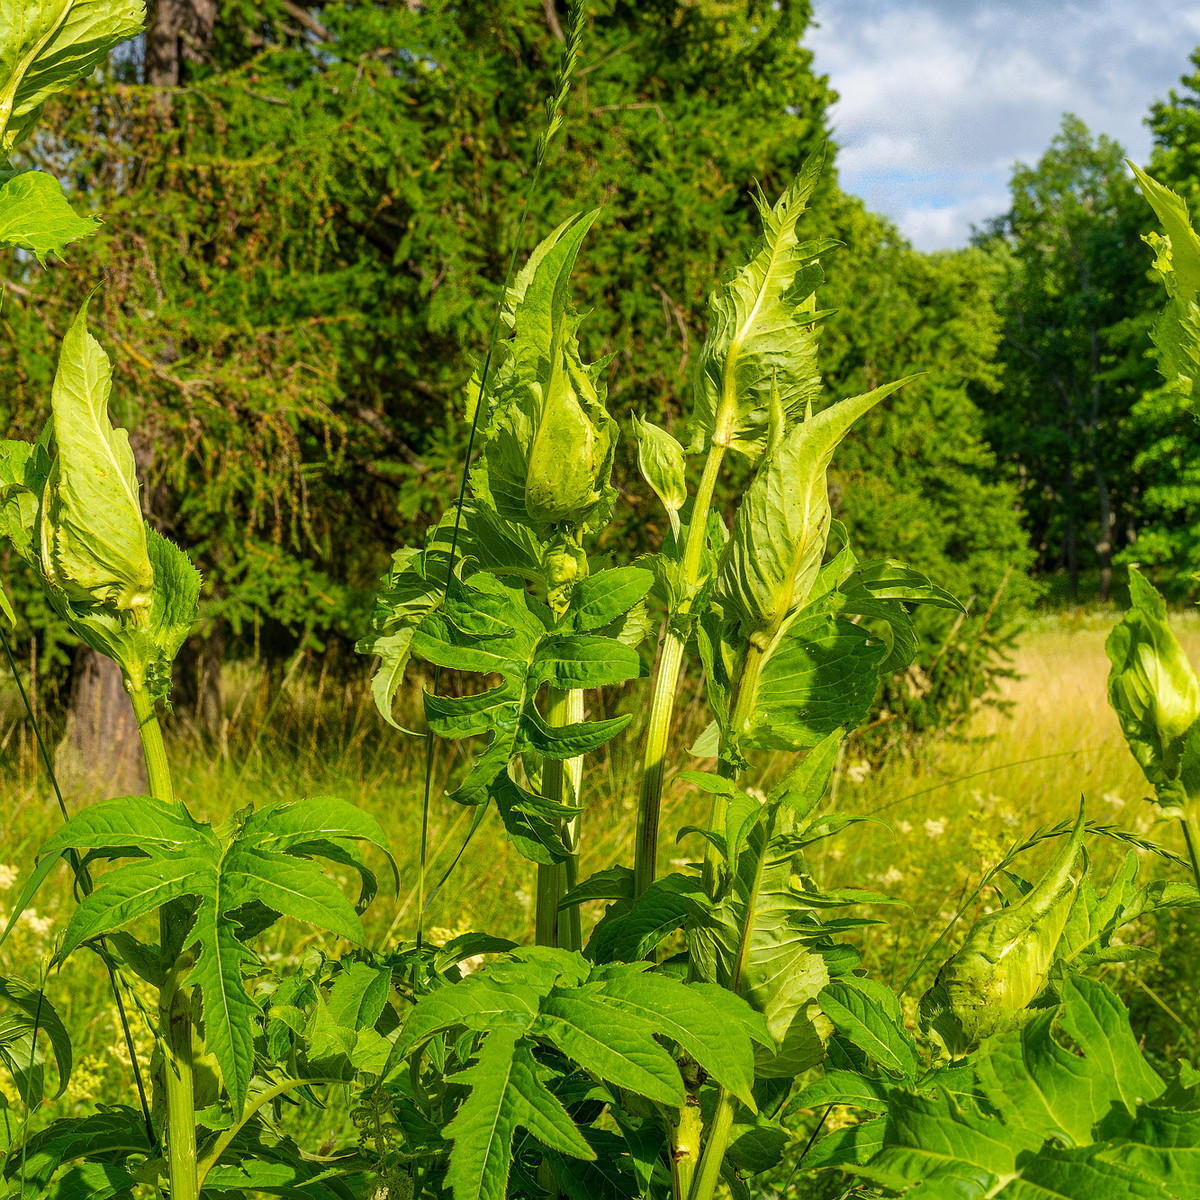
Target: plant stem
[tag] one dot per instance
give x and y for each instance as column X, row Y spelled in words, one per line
column 214, row 1152
column 743, row 706
column 175, row 1005
column 666, row 683
column 685, row 1150
column 714, row 1150
column 554, row 787
column 181, row 1103
column 158, row 770
column 572, row 790
column 1191, row 837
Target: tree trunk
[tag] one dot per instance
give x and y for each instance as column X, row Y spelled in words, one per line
column 100, row 754
column 177, row 31
column 1108, row 525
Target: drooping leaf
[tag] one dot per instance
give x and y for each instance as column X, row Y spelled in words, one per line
column 521, row 643
column 45, row 45
column 35, row 216
column 25, row 1015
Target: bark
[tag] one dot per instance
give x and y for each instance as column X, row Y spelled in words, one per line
column 1108, row 525
column 177, row 32
column 100, row 754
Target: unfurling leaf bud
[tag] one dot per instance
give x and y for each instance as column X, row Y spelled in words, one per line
column 1005, row 962
column 1155, row 693
column 93, row 537
column 571, row 456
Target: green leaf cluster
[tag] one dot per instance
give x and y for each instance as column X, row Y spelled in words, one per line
column 239, row 879
column 540, row 1041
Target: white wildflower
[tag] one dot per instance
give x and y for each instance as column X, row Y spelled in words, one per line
column 1114, row 798
column 523, row 898
column 8, row 876
column 857, row 772
column 935, row 828
column 892, row 876
column 904, row 827
column 40, row 927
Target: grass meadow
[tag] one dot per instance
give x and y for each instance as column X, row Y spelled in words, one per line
column 941, row 815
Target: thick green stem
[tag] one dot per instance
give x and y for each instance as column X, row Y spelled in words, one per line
column 666, row 683
column 558, row 784
column 175, row 1007
column 742, row 708
column 685, row 1150
column 717, row 1141
column 714, row 1149
column 572, row 934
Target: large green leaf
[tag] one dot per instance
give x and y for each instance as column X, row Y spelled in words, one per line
column 819, row 674
column 1082, row 1094
column 868, row 1014
column 35, row 216
column 1078, row 1119
column 505, row 1093
column 1177, row 331
column 45, row 45
column 108, row 1137
column 759, row 361
column 936, row 1139
column 263, row 858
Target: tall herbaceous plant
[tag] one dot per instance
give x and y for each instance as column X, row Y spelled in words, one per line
column 714, row 1016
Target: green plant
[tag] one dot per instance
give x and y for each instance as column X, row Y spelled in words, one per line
column 72, row 511
column 660, row 1058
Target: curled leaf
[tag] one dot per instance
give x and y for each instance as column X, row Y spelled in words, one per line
column 1004, row 964
column 93, row 538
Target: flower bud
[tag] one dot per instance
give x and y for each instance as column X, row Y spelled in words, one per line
column 571, row 455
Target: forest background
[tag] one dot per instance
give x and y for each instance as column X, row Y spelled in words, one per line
column 307, row 216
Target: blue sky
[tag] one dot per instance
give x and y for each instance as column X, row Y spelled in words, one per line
column 939, row 98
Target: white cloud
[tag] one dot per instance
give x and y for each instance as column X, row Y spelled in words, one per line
column 939, row 98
